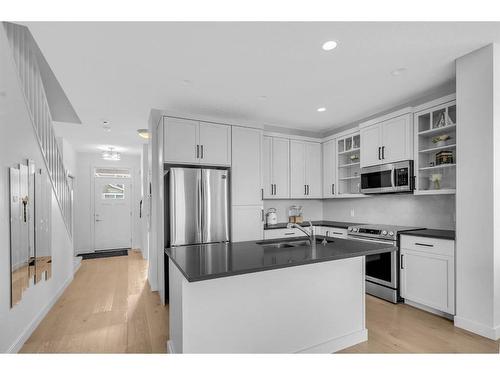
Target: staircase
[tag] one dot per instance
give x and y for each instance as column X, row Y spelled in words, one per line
column 27, row 56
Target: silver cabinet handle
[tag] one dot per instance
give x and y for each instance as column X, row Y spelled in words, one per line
column 383, row 153
column 401, row 265
column 197, row 151
column 379, row 158
column 332, row 189
column 262, row 194
column 340, row 234
column 423, row 244
column 289, row 233
column 305, row 190
column 262, row 214
column 202, row 151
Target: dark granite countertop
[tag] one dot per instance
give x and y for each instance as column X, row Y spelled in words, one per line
column 210, row 261
column 434, row 233
column 322, row 223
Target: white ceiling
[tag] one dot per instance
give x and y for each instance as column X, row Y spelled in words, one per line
column 120, row 71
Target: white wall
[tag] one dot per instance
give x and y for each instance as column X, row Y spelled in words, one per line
column 18, row 143
column 437, row 212
column 478, row 192
column 312, row 208
column 84, row 197
column 145, row 220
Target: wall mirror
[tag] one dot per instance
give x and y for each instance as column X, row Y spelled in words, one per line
column 30, row 228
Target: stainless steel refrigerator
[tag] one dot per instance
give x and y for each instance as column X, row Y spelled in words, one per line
column 198, row 206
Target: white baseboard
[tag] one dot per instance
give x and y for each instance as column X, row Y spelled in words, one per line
column 170, row 347
column 339, row 343
column 25, row 335
column 77, row 262
column 478, row 328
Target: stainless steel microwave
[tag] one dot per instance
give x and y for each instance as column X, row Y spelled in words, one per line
column 388, row 178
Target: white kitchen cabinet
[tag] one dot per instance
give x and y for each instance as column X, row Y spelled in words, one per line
column 180, row 140
column 305, row 169
column 427, row 272
column 348, row 166
column 246, row 171
column 283, row 233
column 194, row 142
column 387, row 141
column 276, row 168
column 329, row 169
column 247, row 223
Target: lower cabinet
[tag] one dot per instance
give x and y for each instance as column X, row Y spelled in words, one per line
column 427, row 272
column 247, row 223
column 270, row 234
column 331, row 232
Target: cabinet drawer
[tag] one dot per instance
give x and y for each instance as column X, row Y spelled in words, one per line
column 282, row 233
column 335, row 232
column 428, row 245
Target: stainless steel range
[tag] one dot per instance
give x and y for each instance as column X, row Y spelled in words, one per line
column 382, row 270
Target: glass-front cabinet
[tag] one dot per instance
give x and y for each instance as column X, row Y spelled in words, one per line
column 348, row 152
column 436, row 149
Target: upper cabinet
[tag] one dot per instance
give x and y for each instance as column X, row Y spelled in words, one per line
column 246, row 176
column 329, row 169
column 348, row 167
column 276, row 168
column 436, row 147
column 194, row 142
column 305, row 169
column 387, row 141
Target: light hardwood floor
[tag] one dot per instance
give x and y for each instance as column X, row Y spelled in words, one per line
column 404, row 329
column 108, row 308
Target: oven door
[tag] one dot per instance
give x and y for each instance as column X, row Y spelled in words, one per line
column 381, row 268
column 377, row 179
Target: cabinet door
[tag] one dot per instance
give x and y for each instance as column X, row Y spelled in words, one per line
column 298, row 169
column 313, row 169
column 248, row 224
column 336, row 232
column 180, row 140
column 329, row 169
column 246, row 178
column 428, row 279
column 215, row 144
column 397, row 139
column 370, row 145
column 271, row 234
column 281, row 167
column 267, row 161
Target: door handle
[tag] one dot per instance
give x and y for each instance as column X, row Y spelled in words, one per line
column 379, row 154
column 305, row 190
column 275, row 189
column 383, row 152
column 98, row 220
column 262, row 214
column 401, row 265
column 423, row 244
column 202, row 151
column 197, row 151
column 262, row 194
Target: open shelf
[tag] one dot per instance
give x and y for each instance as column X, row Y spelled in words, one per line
column 435, row 192
column 434, row 149
column 441, row 166
column 349, row 151
column 348, row 178
column 437, row 131
column 348, row 165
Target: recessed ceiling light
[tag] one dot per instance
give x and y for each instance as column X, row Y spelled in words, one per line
column 262, row 97
column 106, row 126
column 144, row 133
column 321, row 109
column 398, row 72
column 328, row 46
column 187, row 82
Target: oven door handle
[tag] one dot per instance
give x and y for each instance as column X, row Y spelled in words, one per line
column 393, row 176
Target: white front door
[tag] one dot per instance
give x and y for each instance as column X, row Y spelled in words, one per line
column 112, row 213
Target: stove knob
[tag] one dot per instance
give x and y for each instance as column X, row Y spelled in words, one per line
column 384, row 233
column 355, row 229
column 350, row 229
column 391, row 234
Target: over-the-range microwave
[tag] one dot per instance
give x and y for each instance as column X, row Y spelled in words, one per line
column 388, row 178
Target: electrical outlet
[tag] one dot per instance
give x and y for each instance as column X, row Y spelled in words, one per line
column 352, row 212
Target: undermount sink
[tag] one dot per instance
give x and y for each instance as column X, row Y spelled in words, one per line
column 282, row 244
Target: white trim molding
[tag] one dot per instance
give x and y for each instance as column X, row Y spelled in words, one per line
column 492, row 333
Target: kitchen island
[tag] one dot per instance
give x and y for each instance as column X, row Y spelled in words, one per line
column 279, row 296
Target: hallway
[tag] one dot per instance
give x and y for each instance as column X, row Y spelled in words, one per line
column 108, row 308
